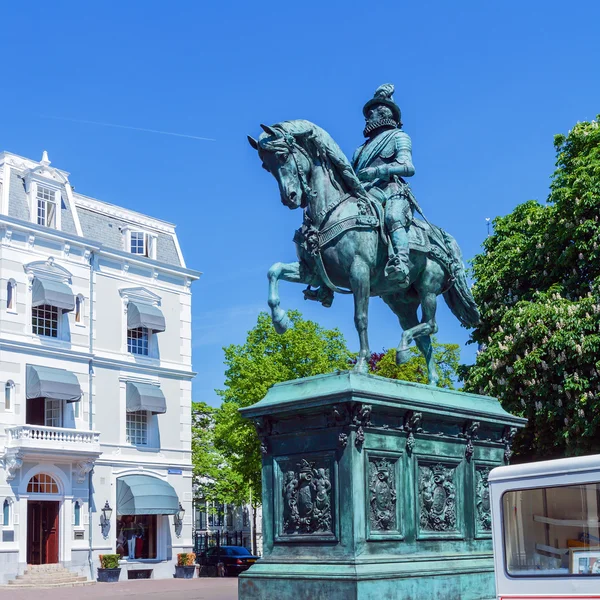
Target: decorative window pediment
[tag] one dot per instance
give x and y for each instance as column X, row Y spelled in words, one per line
column 45, row 174
column 140, row 294
column 47, row 269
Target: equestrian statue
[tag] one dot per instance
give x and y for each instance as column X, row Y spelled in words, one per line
column 359, row 234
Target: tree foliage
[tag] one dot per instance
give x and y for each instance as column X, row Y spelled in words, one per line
column 538, row 288
column 446, row 359
column 264, row 359
column 214, row 479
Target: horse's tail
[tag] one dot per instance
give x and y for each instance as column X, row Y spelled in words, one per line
column 459, row 298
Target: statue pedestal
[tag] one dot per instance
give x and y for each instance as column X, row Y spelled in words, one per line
column 375, row 488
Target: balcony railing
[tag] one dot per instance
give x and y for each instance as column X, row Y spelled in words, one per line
column 39, row 436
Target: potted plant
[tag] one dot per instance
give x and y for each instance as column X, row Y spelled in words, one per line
column 186, row 565
column 110, row 571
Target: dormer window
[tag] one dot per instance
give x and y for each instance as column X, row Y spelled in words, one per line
column 142, row 243
column 46, row 207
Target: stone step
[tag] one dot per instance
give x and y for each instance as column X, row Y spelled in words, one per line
column 46, row 567
column 45, row 585
column 51, row 579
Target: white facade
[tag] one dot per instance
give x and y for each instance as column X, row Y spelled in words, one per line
column 110, row 259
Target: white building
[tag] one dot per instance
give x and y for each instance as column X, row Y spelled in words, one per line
column 95, row 380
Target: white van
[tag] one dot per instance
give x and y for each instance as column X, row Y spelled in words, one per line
column 546, row 529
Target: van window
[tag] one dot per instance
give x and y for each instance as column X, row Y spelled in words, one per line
column 552, row 531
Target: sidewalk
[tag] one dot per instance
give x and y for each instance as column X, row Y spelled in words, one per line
column 155, row 589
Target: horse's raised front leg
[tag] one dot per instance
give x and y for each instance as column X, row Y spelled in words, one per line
column 421, row 333
column 288, row 272
column 360, row 283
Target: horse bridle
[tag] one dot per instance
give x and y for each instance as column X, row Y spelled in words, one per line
column 304, row 186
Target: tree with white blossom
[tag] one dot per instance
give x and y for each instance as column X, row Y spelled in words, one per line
column 538, row 289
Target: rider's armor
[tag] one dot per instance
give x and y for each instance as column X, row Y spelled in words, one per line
column 383, row 161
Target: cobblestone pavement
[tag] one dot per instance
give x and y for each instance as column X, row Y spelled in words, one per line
column 155, row 589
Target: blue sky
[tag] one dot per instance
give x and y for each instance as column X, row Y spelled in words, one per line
column 483, row 87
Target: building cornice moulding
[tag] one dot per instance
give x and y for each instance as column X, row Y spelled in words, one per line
column 36, row 349
column 10, row 224
column 125, row 365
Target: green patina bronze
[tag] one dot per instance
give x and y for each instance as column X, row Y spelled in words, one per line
column 373, row 489
column 359, row 234
column 376, row 489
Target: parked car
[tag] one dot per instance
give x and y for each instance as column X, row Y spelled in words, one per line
column 235, row 559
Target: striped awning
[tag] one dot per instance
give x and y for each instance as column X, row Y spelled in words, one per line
column 54, row 384
column 140, row 314
column 145, row 396
column 145, row 495
column 52, row 293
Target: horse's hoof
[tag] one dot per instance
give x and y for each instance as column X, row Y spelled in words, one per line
column 281, row 321
column 361, row 366
column 402, row 356
column 283, row 325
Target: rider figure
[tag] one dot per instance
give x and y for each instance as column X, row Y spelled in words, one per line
column 383, row 160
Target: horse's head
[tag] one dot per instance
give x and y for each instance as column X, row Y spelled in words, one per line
column 287, row 161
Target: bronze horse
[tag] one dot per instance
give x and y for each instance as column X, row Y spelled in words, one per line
column 342, row 243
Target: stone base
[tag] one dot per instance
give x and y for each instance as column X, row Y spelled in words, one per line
column 446, row 578
column 376, row 489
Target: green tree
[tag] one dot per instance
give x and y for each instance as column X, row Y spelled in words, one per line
column 538, row 288
column 446, row 359
column 214, row 479
column 264, row 359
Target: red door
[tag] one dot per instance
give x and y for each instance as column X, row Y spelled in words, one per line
column 42, row 532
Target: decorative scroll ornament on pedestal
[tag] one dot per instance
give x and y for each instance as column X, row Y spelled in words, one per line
column 470, row 430
column 412, row 425
column 362, row 418
column 382, row 490
column 508, row 436
column 263, row 430
column 482, row 499
column 437, row 498
column 307, row 499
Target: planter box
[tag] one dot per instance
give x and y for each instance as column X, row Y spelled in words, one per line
column 109, row 575
column 186, row 572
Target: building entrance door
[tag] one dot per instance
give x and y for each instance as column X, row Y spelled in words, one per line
column 42, row 532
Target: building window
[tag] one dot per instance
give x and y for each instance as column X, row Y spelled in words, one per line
column 137, row 536
column 138, row 243
column 77, row 514
column 79, row 309
column 46, row 207
column 42, row 484
column 53, row 413
column 229, row 521
column 76, row 410
column 137, row 341
column 44, row 320
column 6, row 516
column 142, row 243
column 245, row 514
column 137, row 428
column 11, row 295
column 9, row 391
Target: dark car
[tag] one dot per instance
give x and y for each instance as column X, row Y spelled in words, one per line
column 235, row 559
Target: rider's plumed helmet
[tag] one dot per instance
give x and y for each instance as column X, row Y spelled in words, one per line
column 384, row 96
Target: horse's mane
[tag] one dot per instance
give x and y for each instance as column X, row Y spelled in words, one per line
column 313, row 140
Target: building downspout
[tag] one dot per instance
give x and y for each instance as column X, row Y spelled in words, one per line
column 90, row 415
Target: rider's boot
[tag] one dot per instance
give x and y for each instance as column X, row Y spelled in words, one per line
column 397, row 267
